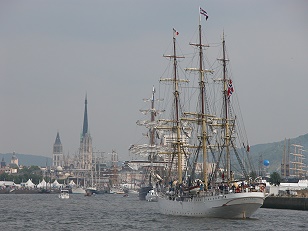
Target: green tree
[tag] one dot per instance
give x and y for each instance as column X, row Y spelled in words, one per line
column 4, row 176
column 275, row 179
column 23, row 175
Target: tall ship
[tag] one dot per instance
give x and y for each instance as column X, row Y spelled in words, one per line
column 209, row 171
column 153, row 163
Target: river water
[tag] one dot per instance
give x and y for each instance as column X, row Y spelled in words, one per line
column 115, row 212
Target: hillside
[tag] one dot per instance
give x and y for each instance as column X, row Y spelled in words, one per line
column 274, row 152
column 27, row 160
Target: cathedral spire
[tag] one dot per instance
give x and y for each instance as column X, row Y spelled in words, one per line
column 85, row 150
column 58, row 141
column 85, row 118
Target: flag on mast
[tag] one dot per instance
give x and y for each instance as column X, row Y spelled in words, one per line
column 175, row 32
column 230, row 88
column 204, row 13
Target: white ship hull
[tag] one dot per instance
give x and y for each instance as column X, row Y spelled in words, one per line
column 233, row 205
column 78, row 191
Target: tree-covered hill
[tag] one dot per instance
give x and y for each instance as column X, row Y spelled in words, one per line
column 27, row 160
column 274, row 152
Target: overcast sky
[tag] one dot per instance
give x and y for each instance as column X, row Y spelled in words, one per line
column 54, row 52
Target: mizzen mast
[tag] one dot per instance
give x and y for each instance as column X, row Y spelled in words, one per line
column 227, row 135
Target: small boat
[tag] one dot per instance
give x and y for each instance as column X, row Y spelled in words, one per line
column 120, row 192
column 131, row 191
column 90, row 191
column 88, row 194
column 64, row 194
column 151, row 196
column 143, row 191
column 78, row 190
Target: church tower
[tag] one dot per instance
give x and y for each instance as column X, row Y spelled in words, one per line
column 14, row 159
column 85, row 150
column 57, row 156
column 3, row 164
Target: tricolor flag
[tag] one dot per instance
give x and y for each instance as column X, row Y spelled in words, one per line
column 203, row 12
column 230, row 88
column 175, row 32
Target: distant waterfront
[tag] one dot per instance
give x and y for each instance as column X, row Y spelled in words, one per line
column 115, row 212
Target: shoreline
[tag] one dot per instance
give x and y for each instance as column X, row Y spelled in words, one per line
column 29, row 191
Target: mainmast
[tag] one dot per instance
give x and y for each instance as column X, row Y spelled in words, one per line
column 203, row 119
column 150, row 148
column 152, row 129
column 152, row 136
column 202, row 116
column 226, row 103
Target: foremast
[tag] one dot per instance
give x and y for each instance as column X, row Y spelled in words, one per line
column 176, row 100
column 176, row 112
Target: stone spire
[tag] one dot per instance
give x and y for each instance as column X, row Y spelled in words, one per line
column 85, row 150
column 58, row 141
column 85, row 118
